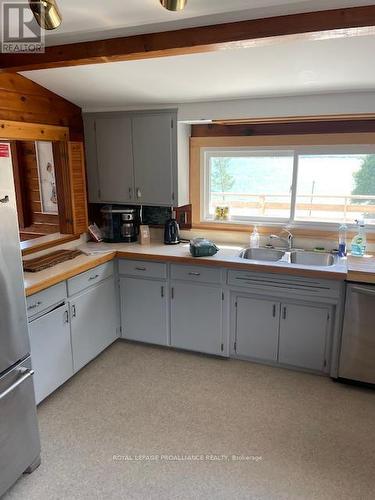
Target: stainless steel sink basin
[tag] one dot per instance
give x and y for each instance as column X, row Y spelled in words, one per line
column 312, row 259
column 266, row 254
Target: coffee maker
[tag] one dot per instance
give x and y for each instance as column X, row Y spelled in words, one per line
column 120, row 223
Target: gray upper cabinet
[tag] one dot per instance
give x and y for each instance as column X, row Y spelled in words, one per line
column 154, row 146
column 115, row 159
column 137, row 158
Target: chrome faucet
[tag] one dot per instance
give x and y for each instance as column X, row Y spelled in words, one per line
column 288, row 241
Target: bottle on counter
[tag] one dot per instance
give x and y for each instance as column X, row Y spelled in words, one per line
column 343, row 229
column 254, row 238
column 359, row 241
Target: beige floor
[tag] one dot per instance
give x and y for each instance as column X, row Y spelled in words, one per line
column 316, row 438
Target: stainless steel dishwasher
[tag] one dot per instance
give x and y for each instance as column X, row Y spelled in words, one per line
column 357, row 358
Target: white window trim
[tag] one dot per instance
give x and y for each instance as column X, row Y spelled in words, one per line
column 290, row 222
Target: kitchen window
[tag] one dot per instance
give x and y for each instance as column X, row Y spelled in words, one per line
column 314, row 186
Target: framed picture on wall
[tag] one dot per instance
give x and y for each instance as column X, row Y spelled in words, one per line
column 47, row 180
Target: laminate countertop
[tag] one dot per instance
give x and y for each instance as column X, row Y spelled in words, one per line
column 361, row 269
column 228, row 257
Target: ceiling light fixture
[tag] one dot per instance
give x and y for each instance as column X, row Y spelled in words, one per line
column 46, row 13
column 173, row 4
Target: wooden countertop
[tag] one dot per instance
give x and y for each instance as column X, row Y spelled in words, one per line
column 361, row 269
column 36, row 282
column 226, row 257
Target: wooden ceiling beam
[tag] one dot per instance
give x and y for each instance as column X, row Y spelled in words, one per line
column 312, row 25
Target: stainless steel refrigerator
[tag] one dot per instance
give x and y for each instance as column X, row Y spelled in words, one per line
column 19, row 434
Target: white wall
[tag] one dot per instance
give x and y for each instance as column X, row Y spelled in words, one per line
column 319, row 104
column 324, row 104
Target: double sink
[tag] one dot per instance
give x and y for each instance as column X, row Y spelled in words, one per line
column 299, row 257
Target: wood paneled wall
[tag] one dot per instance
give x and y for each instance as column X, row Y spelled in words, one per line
column 25, row 101
column 34, row 221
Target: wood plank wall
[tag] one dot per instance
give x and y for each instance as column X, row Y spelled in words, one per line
column 35, row 222
column 25, row 101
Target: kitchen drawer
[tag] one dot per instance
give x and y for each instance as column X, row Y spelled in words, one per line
column 196, row 273
column 89, row 278
column 143, row 269
column 41, row 301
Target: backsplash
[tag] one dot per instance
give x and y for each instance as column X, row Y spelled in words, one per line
column 151, row 216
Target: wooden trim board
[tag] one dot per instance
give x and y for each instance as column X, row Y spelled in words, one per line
column 307, row 26
column 22, row 131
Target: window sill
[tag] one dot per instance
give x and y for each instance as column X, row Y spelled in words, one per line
column 44, row 242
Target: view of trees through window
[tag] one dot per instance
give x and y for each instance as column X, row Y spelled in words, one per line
column 328, row 188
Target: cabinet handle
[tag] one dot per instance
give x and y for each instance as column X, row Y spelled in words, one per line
column 66, row 316
column 5, row 199
column 194, row 274
column 74, row 311
column 172, row 292
column 94, row 277
column 34, row 306
column 162, row 291
column 140, row 269
column 139, row 193
column 284, row 312
column 130, row 193
column 274, row 311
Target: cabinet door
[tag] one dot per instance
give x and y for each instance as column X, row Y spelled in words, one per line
column 303, row 332
column 144, row 310
column 115, row 159
column 154, row 149
column 197, row 317
column 93, row 320
column 257, row 328
column 91, row 159
column 51, row 351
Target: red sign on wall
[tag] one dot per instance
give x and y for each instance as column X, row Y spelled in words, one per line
column 4, row 150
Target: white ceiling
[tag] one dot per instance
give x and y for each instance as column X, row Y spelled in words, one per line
column 288, row 68
column 98, row 19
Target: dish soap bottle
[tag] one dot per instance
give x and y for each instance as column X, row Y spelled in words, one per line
column 254, row 238
column 359, row 241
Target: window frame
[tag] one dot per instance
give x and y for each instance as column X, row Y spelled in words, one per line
column 207, row 151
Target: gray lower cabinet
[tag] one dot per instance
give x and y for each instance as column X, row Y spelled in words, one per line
column 288, row 333
column 51, row 351
column 303, row 335
column 197, row 317
column 93, row 322
column 257, row 328
column 144, row 310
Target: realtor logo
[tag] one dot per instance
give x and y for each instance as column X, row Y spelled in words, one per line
column 20, row 31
